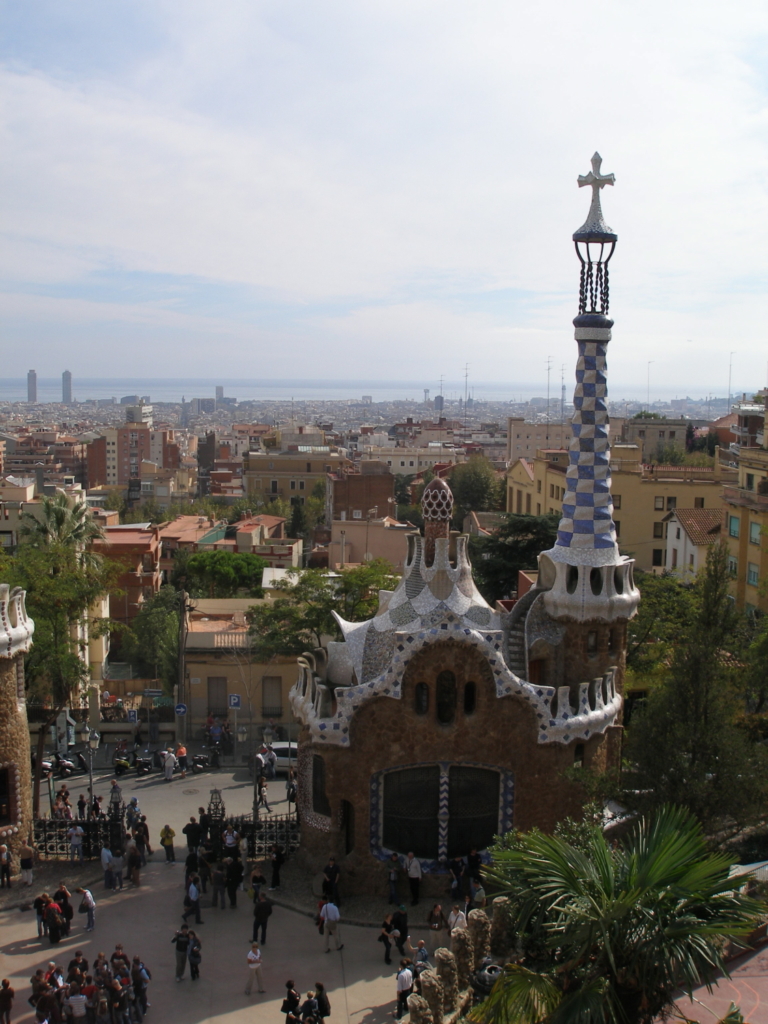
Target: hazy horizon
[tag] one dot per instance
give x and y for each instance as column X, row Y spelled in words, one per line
column 349, row 190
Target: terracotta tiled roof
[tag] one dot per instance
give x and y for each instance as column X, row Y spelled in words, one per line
column 701, row 524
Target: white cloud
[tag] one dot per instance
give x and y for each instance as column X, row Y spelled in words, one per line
column 400, row 161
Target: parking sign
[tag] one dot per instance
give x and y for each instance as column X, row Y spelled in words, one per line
column 234, row 701
column 133, row 717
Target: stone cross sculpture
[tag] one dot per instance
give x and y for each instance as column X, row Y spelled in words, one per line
column 595, row 221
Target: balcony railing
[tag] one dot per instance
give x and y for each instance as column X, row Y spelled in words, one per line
column 749, row 499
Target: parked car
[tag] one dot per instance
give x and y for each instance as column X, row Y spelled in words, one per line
column 286, row 754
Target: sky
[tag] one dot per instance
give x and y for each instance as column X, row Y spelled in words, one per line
column 348, row 190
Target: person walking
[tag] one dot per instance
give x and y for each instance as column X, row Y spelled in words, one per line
column 331, row 873
column 90, row 908
column 277, row 857
column 140, row 979
column 26, row 862
column 437, row 925
column 193, row 831
column 322, row 1000
column 106, row 865
column 181, row 941
column 5, row 867
column 6, row 1001
column 194, row 955
column 254, row 968
column 404, row 987
column 413, row 867
column 262, row 911
column 169, row 763
column 166, row 841
column 264, row 794
column 218, row 882
column 385, row 936
column 400, row 928
column 330, row 917
column 134, row 866
column 40, row 905
column 181, row 757
column 192, row 900
column 234, row 875
column 393, row 873
column 118, row 866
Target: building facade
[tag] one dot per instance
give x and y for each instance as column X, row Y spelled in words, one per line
column 745, row 527
column 442, row 722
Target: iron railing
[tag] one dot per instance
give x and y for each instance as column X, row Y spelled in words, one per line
column 51, row 840
column 282, row 830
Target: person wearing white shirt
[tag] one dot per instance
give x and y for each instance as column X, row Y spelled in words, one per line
column 457, row 920
column 254, row 968
column 413, row 868
column 404, row 988
column 193, row 900
column 330, row 917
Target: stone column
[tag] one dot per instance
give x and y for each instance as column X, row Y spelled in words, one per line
column 502, row 933
column 419, row 1011
column 461, row 944
column 15, row 639
column 448, row 975
column 480, row 930
column 432, row 991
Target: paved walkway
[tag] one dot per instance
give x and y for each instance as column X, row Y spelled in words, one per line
column 360, row 986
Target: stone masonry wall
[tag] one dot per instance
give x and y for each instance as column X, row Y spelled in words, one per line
column 386, row 733
column 15, row 756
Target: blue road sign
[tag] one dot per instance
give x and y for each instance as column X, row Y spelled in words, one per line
column 133, row 716
column 180, row 709
column 234, row 701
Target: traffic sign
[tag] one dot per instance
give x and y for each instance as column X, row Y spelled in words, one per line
column 133, row 716
column 234, row 701
column 180, row 709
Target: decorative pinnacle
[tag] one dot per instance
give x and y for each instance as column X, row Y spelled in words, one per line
column 594, row 227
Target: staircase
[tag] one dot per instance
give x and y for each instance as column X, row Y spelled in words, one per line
column 517, row 658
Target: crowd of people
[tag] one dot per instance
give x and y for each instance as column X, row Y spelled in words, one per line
column 110, row 991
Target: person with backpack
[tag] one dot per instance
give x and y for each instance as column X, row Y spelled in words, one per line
column 322, row 1000
column 194, row 955
column 262, row 911
column 140, row 977
column 89, row 903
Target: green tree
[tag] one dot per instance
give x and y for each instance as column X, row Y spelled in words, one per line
column 610, row 933
column 61, row 587
column 298, row 524
column 403, row 488
column 475, row 487
column 515, row 545
column 224, row 574
column 664, row 613
column 302, row 615
column 152, row 642
column 61, row 521
column 411, row 514
column 684, row 743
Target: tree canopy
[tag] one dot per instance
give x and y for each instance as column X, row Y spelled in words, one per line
column 515, row 545
column 476, row 488
column 61, row 521
column 224, row 574
column 609, row 933
column 152, row 642
column 302, row 614
column 685, row 745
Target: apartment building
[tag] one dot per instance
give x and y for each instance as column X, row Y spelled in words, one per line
column 137, row 547
column 412, row 461
column 745, row 527
column 352, row 494
column 642, row 495
column 653, row 435
column 525, row 439
column 690, row 534
column 291, row 476
column 114, row 458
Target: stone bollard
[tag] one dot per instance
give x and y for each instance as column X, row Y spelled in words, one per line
column 461, row 944
column 502, row 933
column 432, row 991
column 480, row 930
column 446, row 972
column 419, row 1011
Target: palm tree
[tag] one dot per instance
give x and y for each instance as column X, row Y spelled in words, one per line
column 610, row 934
column 63, row 521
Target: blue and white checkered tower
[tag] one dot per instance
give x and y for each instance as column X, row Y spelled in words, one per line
column 589, row 578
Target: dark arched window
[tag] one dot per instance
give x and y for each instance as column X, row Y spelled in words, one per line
column 445, row 698
column 421, row 699
column 470, row 698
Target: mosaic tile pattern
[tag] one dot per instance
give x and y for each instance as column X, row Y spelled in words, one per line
column 587, row 519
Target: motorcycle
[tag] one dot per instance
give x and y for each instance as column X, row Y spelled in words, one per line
column 48, row 766
column 63, row 766
column 143, row 765
column 204, row 762
column 82, row 764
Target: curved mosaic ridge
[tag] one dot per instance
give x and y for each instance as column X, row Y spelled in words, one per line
column 599, row 702
column 16, row 628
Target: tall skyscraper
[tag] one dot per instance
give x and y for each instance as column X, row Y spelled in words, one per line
column 32, row 387
column 219, row 392
column 66, row 387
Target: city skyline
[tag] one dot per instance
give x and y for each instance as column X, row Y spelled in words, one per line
column 350, row 190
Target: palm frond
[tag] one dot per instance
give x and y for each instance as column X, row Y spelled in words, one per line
column 520, row 996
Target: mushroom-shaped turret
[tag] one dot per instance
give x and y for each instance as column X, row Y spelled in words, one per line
column 437, row 508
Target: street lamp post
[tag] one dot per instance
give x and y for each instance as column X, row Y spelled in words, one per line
column 90, row 738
